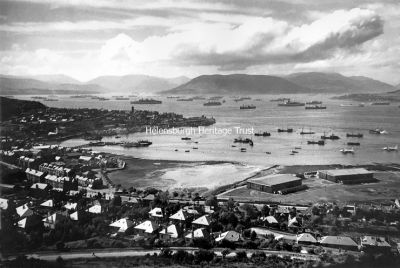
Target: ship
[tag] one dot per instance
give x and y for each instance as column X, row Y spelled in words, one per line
column 247, row 140
column 353, row 143
column 288, row 130
column 103, row 99
column 263, row 134
column 140, row 143
column 199, row 98
column 215, row 97
column 352, row 105
column 321, row 142
column 290, row 103
column 50, row 99
column 331, row 137
column 391, row 149
column 212, row 103
column 314, row 102
column 380, row 103
column 38, row 98
column 315, row 107
column 247, row 107
column 302, row 132
column 186, row 138
column 280, row 99
column 121, row 98
column 188, row 99
column 146, row 101
column 377, row 131
column 347, row 151
column 352, row 135
column 242, row 99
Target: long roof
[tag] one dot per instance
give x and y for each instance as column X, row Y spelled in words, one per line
column 275, row 179
column 338, row 240
column 346, row 171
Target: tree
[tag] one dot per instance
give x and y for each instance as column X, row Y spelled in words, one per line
column 253, row 236
column 225, row 252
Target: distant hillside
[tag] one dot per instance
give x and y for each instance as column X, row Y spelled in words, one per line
column 11, row 107
column 337, row 83
column 237, row 84
column 56, row 78
column 137, row 83
column 15, row 85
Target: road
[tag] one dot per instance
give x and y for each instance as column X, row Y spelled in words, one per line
column 112, row 253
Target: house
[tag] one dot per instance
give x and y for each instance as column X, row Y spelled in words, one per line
column 203, row 221
column 341, row 242
column 374, row 244
column 129, row 200
column 230, row 236
column 75, row 216
column 147, row 227
column 306, row 239
column 24, row 211
column 148, row 198
column 40, row 189
column 52, row 220
column 33, row 175
column 179, row 216
column 198, row 233
column 49, row 203
column 96, row 209
column 156, row 213
column 31, row 222
column 122, row 225
column 169, row 233
column 70, row 206
column 3, row 203
column 270, row 221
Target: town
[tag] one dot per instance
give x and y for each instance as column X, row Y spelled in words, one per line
column 60, row 200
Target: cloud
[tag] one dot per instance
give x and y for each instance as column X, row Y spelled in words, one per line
column 257, row 40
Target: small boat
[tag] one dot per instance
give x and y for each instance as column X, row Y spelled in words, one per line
column 353, row 143
column 121, row 98
column 247, row 107
column 186, row 138
column 176, row 150
column 187, row 151
column 378, row 131
column 233, row 146
column 263, row 134
column 268, row 152
column 352, row 105
column 391, row 149
column 117, row 137
column 288, row 130
column 243, row 149
column 188, row 99
column 140, row 143
column 297, row 148
column 352, row 135
column 195, row 148
column 321, row 142
column 280, row 99
column 295, row 152
column 347, row 151
column 291, row 104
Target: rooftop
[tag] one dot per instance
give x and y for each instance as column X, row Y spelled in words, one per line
column 275, row 179
column 347, row 171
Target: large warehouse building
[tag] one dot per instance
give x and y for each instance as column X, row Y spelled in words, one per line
column 347, row 176
column 278, row 183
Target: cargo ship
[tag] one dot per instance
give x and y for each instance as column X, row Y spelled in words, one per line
column 380, row 103
column 288, row 130
column 247, row 140
column 321, row 142
column 212, row 103
column 146, row 101
column 331, row 137
column 263, row 134
column 280, row 99
column 189, row 99
column 352, row 135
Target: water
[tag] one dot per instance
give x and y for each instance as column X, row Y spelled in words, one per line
column 267, row 117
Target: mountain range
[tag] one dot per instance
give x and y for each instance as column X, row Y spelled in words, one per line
column 239, row 84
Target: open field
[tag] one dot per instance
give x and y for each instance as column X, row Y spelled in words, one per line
column 387, row 187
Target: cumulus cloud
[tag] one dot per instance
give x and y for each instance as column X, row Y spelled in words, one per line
column 255, row 41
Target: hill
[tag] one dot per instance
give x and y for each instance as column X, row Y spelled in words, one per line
column 56, row 78
column 137, row 83
column 337, row 83
column 15, row 85
column 237, row 84
column 10, row 107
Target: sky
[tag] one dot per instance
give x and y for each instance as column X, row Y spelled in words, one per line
column 166, row 38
